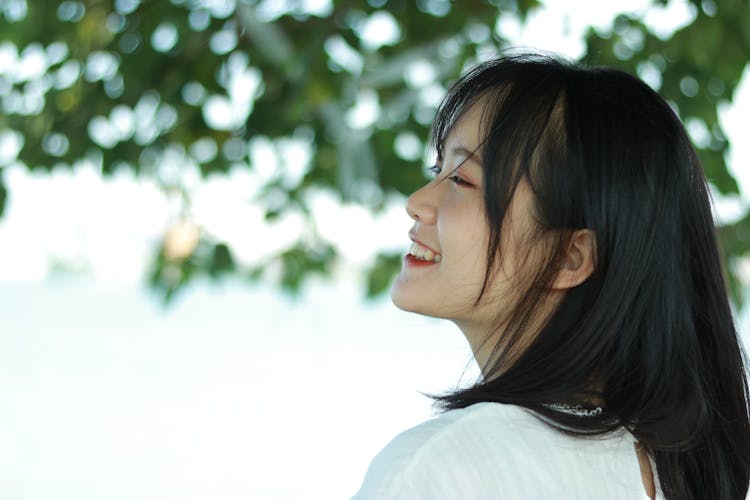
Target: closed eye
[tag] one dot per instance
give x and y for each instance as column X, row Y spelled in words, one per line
column 435, row 170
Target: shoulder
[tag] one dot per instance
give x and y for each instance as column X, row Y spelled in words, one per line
column 451, row 452
column 486, row 448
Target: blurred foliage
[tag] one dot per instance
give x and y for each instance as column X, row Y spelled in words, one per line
column 696, row 69
column 125, row 83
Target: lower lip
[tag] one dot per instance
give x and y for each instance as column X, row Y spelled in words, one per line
column 410, row 260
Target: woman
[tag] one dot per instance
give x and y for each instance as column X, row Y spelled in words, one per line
column 568, row 233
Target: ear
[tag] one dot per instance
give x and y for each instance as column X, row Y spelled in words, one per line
column 579, row 261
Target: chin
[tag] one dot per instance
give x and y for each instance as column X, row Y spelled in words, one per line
column 403, row 299
column 397, row 297
column 410, row 302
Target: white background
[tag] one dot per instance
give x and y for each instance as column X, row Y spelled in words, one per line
column 236, row 391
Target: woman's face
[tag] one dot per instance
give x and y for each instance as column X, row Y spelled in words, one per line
column 449, row 221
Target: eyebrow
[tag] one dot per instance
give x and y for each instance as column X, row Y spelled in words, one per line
column 471, row 155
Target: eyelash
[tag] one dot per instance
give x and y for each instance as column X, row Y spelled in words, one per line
column 455, row 179
column 435, row 170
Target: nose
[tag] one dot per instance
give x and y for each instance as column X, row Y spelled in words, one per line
column 421, row 206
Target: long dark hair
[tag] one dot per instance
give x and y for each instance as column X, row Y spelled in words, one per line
column 649, row 335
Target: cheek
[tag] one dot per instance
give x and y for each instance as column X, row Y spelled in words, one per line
column 464, row 225
column 464, row 239
column 508, row 267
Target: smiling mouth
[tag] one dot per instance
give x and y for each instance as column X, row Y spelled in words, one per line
column 424, row 254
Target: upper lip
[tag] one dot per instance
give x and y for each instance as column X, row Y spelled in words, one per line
column 415, row 240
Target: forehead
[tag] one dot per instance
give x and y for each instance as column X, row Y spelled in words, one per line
column 469, row 129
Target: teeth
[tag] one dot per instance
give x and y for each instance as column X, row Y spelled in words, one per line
column 423, row 253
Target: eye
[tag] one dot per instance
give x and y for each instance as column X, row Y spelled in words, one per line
column 459, row 181
column 455, row 179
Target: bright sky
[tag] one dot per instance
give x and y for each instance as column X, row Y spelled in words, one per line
column 236, row 391
column 229, row 395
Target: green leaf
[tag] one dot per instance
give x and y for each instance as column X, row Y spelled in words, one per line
column 382, row 272
column 221, row 260
column 3, row 196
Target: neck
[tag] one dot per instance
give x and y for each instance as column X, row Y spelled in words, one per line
column 482, row 342
column 487, row 337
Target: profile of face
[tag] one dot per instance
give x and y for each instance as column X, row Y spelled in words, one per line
column 451, row 232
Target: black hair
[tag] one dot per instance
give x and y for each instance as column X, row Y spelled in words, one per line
column 649, row 335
